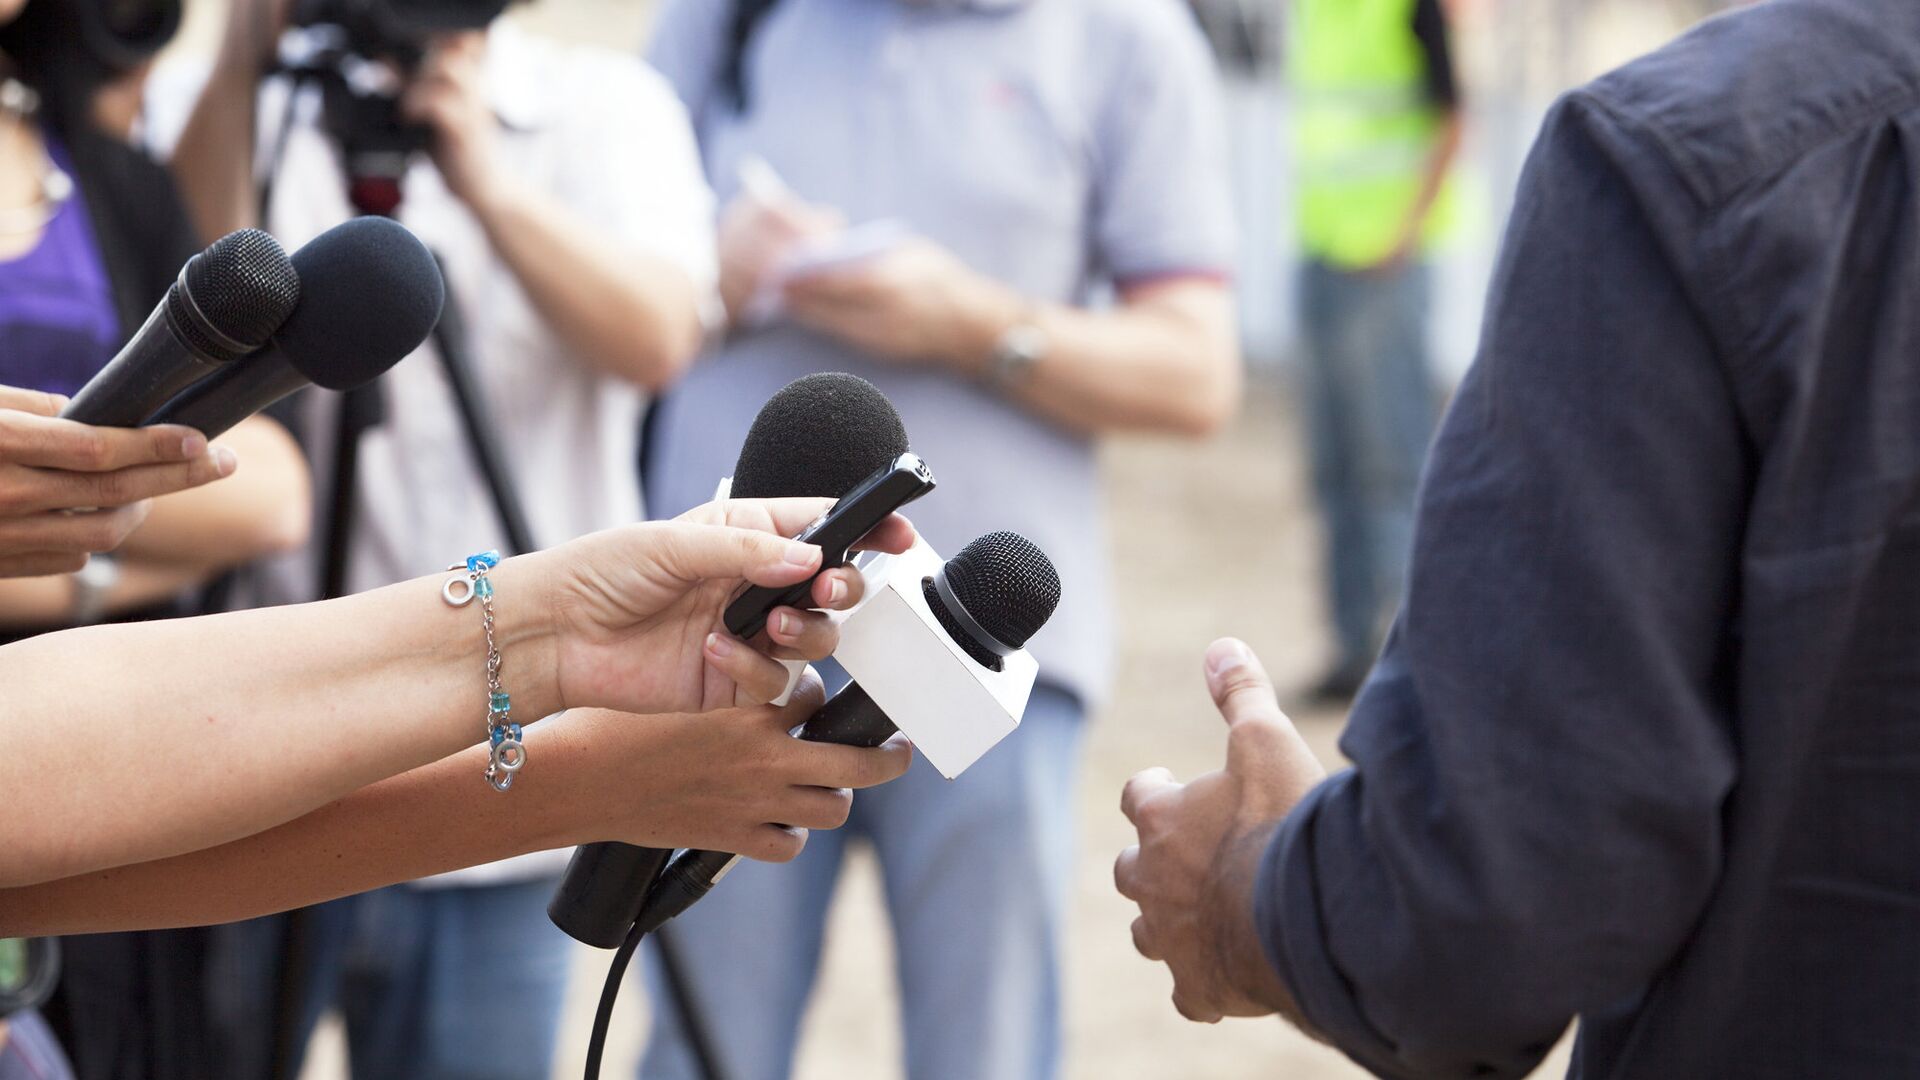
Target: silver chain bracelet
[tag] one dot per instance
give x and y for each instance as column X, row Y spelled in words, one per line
column 506, row 752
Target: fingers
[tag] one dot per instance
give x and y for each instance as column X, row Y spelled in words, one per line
column 1125, row 871
column 42, row 563
column 1143, row 940
column 893, row 536
column 694, row 552
column 32, row 401
column 774, row 843
column 1142, row 787
column 816, row 807
column 803, row 635
column 51, row 443
column 839, row 589
column 757, row 677
column 830, row 766
column 69, row 538
column 59, row 490
column 1239, row 684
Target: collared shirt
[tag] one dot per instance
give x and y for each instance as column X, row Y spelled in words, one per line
column 1056, row 147
column 1645, row 745
column 606, row 137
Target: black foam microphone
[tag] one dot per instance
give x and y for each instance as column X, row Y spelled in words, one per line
column 370, row 294
column 820, row 435
column 226, row 303
column 998, row 592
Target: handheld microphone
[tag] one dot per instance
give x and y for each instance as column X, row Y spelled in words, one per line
column 989, row 599
column 226, row 303
column 371, row 293
column 821, row 434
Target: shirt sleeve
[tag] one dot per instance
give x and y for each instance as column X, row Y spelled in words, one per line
column 647, row 187
column 1532, row 823
column 1436, row 40
column 1162, row 199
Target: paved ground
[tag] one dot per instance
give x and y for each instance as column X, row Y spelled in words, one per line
column 1210, row 539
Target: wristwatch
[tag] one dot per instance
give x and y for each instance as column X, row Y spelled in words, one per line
column 91, row 584
column 1020, row 348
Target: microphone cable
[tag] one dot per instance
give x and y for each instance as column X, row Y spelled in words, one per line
column 706, row 1060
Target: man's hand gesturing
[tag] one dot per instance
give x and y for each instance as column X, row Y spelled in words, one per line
column 1193, row 870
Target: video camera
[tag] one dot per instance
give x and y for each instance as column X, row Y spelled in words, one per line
column 362, row 54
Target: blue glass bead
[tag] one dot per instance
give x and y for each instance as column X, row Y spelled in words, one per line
column 488, row 559
column 497, row 735
column 513, row 732
column 483, row 587
column 500, row 702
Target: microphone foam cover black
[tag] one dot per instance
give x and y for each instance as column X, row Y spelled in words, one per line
column 370, row 294
column 820, row 435
column 1007, row 584
column 244, row 286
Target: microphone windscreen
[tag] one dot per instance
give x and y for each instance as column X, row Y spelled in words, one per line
column 820, row 435
column 370, row 294
column 1006, row 583
column 243, row 286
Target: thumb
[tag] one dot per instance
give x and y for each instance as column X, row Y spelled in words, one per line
column 1239, row 684
column 693, row 553
column 1264, row 750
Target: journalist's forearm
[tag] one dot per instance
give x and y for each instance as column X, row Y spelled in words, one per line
column 436, row 818
column 264, row 508
column 1164, row 360
column 631, row 315
column 137, row 742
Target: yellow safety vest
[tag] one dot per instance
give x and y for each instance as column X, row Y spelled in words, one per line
column 1363, row 128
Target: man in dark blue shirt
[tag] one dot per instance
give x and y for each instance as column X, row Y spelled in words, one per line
column 1644, row 747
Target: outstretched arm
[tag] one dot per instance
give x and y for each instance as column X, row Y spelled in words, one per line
column 718, row 781
column 169, row 737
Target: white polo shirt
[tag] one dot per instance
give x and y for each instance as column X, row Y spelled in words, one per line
column 606, row 137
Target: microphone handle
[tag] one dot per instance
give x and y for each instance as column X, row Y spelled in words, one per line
column 849, row 718
column 238, row 391
column 154, row 365
column 600, row 896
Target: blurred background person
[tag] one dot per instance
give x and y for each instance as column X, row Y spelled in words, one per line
column 1376, row 126
column 91, row 234
column 562, row 190
column 1017, row 221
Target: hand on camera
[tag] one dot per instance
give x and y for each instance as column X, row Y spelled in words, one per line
column 732, row 780
column 50, row 468
column 448, row 95
column 635, row 612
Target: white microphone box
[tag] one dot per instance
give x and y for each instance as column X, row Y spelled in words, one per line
column 952, row 707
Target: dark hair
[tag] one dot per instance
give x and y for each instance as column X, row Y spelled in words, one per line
column 67, row 49
column 747, row 17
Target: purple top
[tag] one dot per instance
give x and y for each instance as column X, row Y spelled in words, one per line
column 57, row 320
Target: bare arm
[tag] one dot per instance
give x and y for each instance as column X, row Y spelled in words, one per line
column 1166, row 359
column 213, row 161
column 170, row 737
column 715, row 782
column 629, row 314
column 632, row 315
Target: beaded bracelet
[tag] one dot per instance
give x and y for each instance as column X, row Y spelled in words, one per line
column 507, row 753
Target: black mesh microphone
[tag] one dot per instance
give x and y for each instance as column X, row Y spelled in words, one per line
column 821, row 435
column 371, row 293
column 998, row 592
column 226, row 303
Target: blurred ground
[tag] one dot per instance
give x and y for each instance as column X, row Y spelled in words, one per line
column 1209, row 539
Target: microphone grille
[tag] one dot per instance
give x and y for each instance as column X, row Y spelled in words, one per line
column 244, row 286
column 1007, row 584
column 820, row 435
